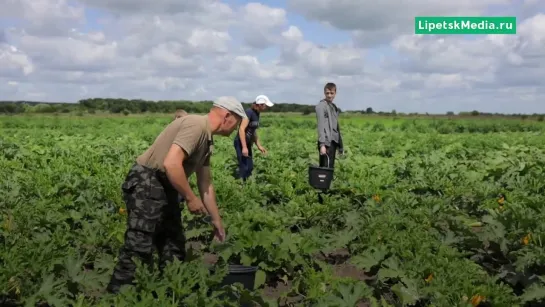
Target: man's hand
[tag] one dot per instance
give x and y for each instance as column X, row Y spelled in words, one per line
column 323, row 150
column 196, row 206
column 245, row 151
column 341, row 151
column 262, row 149
column 219, row 232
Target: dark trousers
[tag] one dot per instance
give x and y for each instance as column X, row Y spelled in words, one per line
column 328, row 160
column 153, row 222
column 245, row 164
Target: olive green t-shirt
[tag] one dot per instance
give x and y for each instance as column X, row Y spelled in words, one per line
column 192, row 133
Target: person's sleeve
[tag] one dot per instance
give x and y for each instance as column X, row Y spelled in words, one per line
column 254, row 120
column 189, row 135
column 341, row 145
column 321, row 123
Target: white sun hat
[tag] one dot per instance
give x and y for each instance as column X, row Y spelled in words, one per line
column 262, row 99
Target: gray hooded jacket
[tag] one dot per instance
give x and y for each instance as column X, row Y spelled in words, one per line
column 327, row 116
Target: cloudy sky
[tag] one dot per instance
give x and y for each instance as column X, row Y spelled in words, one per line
column 66, row 50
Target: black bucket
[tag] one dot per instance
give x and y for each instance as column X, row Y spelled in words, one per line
column 320, row 177
column 240, row 274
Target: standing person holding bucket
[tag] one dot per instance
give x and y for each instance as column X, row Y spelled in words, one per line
column 329, row 133
column 247, row 136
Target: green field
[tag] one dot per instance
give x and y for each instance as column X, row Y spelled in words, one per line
column 414, row 216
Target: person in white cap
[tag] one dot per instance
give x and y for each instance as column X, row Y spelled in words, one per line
column 247, row 136
column 159, row 176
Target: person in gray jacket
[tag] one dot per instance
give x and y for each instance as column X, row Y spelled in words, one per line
column 329, row 133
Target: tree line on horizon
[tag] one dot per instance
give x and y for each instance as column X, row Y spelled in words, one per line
column 137, row 106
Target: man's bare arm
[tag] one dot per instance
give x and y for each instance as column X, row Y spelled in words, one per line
column 207, row 192
column 256, row 139
column 242, row 131
column 174, row 168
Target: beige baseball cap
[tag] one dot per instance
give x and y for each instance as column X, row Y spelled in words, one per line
column 231, row 104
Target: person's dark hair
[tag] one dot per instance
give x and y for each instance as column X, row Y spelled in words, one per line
column 330, row 86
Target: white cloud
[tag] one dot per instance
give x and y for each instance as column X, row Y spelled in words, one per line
column 44, row 17
column 77, row 52
column 261, row 24
column 14, row 62
column 166, row 49
column 490, row 61
column 146, row 6
column 373, row 22
column 338, row 59
column 247, row 65
column 206, row 39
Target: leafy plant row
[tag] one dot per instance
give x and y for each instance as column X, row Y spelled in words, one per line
column 416, row 216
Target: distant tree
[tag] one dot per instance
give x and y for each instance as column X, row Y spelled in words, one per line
column 135, row 106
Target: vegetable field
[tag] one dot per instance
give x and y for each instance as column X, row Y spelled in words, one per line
column 421, row 212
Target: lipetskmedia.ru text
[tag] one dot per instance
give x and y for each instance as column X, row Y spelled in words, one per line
column 465, row 25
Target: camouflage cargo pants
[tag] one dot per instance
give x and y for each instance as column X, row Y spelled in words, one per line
column 153, row 221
